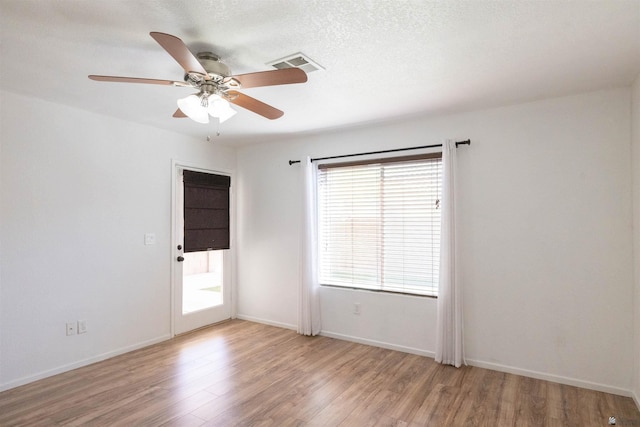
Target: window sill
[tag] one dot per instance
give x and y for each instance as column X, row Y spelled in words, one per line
column 377, row 291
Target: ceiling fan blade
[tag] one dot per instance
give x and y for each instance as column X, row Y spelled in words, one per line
column 179, row 51
column 270, row 78
column 116, row 79
column 254, row 105
column 179, row 114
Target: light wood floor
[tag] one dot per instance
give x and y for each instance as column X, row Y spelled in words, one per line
column 244, row 373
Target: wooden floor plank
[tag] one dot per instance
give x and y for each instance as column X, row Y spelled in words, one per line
column 248, row 374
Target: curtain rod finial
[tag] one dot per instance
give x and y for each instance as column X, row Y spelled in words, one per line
column 291, row 162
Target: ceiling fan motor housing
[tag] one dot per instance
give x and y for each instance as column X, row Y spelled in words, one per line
column 216, row 69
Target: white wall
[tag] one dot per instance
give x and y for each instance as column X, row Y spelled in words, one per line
column 78, row 193
column 635, row 161
column 545, row 225
column 545, row 220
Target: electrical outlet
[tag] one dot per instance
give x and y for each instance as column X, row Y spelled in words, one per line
column 71, row 328
column 356, row 308
column 82, row 326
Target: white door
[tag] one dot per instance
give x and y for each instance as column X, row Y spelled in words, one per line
column 201, row 280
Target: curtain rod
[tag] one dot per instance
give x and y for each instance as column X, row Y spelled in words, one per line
column 465, row 142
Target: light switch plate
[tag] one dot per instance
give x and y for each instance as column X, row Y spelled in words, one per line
column 150, row 239
column 82, row 326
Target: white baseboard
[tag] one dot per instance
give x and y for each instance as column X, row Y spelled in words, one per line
column 375, row 343
column 494, row 367
column 342, row 337
column 267, row 322
column 637, row 400
column 486, row 365
column 478, row 363
column 80, row 363
column 553, row 378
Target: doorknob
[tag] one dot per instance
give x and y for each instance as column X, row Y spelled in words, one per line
column 180, row 258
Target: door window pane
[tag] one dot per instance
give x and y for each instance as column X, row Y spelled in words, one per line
column 201, row 280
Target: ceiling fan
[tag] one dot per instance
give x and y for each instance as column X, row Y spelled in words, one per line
column 216, row 86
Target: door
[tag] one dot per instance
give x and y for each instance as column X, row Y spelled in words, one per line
column 201, row 255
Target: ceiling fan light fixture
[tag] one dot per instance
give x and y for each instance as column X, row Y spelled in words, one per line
column 192, row 107
column 199, row 106
column 226, row 113
column 220, row 108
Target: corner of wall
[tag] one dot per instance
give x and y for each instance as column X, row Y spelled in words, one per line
column 635, row 162
column 2, row 138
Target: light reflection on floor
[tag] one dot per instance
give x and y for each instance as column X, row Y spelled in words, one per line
column 206, row 362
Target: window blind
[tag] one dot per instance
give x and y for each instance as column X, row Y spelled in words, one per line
column 379, row 224
column 206, row 211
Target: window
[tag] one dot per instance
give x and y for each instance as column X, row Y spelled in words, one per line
column 379, row 224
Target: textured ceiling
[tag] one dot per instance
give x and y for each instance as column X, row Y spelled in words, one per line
column 384, row 59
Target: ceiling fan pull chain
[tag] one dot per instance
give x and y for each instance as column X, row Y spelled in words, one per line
column 217, row 130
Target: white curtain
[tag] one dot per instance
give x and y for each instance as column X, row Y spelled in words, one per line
column 449, row 333
column 308, row 298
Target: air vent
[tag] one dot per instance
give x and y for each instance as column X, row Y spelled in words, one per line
column 297, row 60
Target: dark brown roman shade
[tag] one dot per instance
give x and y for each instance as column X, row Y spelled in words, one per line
column 206, row 211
